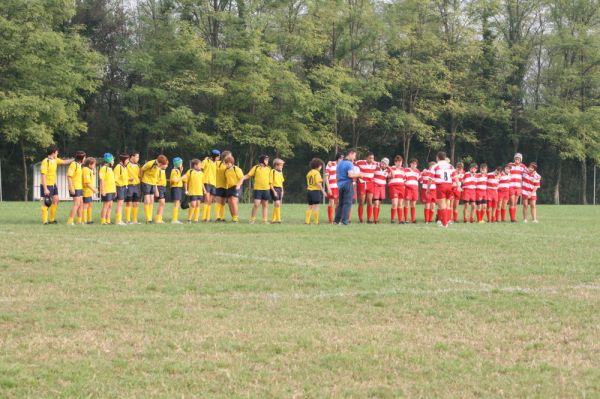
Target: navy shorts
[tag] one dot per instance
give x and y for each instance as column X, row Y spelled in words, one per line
column 162, row 191
column 195, row 198
column 314, row 197
column 263, row 195
column 109, row 197
column 232, row 192
column 210, row 189
column 87, row 200
column 122, row 193
column 76, row 194
column 148, row 189
column 133, row 193
column 176, row 193
column 221, row 192
column 53, row 190
column 278, row 193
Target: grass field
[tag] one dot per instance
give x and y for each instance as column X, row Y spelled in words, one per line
column 300, row 311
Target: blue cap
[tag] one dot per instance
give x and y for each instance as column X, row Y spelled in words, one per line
column 215, row 152
column 177, row 161
column 108, row 157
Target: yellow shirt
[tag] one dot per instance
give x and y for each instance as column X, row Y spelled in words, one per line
column 48, row 168
column 277, row 178
column 133, row 171
column 151, row 173
column 175, row 178
column 75, row 173
column 209, row 168
column 312, row 179
column 107, row 175
column 162, row 178
column 88, row 181
column 195, row 182
column 220, row 174
column 233, row 176
column 121, row 175
column 262, row 177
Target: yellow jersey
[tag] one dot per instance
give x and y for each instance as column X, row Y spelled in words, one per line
column 121, row 175
column 220, row 174
column 107, row 175
column 151, row 173
column 175, row 178
column 262, row 177
column 75, row 173
column 233, row 176
column 277, row 178
column 209, row 168
column 133, row 172
column 48, row 168
column 313, row 178
column 162, row 178
column 88, row 181
column 195, row 182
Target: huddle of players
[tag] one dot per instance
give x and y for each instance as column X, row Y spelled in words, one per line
column 486, row 193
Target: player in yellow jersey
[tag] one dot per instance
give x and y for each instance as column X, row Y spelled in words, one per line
column 89, row 188
column 108, row 188
column 176, row 182
column 150, row 175
column 193, row 182
column 277, row 192
column 262, row 187
column 75, row 178
column 48, row 187
column 209, row 168
column 122, row 181
column 315, row 194
column 132, row 200
column 162, row 195
column 233, row 177
column 221, row 191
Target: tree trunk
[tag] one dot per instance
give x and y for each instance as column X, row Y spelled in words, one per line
column 406, row 147
column 584, row 182
column 25, row 174
column 557, row 185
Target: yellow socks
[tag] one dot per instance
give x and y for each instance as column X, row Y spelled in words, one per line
column 118, row 217
column 53, row 208
column 159, row 219
column 221, row 213
column 276, row 214
column 128, row 214
column 89, row 214
column 206, row 212
column 79, row 219
column 44, row 214
column 196, row 214
column 175, row 214
column 235, row 219
column 70, row 220
column 102, row 220
column 148, row 212
column 307, row 217
column 218, row 208
column 190, row 214
column 316, row 217
column 134, row 211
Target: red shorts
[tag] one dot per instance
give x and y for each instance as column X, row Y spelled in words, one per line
column 444, row 191
column 397, row 191
column 411, row 193
column 378, row 192
column 481, row 195
column 532, row 197
column 456, row 193
column 492, row 197
column 365, row 188
column 468, row 196
column 503, row 195
column 335, row 194
column 428, row 199
column 514, row 191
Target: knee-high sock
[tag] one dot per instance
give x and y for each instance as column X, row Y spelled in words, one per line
column 218, row 207
column 413, row 214
column 360, row 213
column 406, row 214
column 316, row 217
column 513, row 214
column 175, row 216
column 376, row 213
column 90, row 213
column 369, row 213
column 206, row 212
column 118, row 217
column 128, row 214
column 330, row 213
column 53, row 208
column 44, row 214
column 190, row 214
column 148, row 211
column 426, row 215
column 393, row 214
column 307, row 216
column 135, row 214
column 197, row 214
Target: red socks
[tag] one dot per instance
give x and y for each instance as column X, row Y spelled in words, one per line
column 513, row 214
column 361, row 210
column 369, row 213
column 503, row 213
column 426, row 215
column 330, row 213
column 376, row 213
column 497, row 216
column 393, row 215
column 455, row 216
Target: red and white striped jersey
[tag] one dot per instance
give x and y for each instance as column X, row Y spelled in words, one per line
column 469, row 181
column 492, row 181
column 367, row 170
column 443, row 173
column 458, row 178
column 397, row 176
column 380, row 177
column 531, row 182
column 481, row 181
column 516, row 174
column 503, row 182
column 427, row 179
column 412, row 177
column 331, row 174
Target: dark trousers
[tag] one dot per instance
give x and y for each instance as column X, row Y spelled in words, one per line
column 342, row 213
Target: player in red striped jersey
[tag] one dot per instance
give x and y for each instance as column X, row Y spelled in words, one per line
column 469, row 192
column 481, row 192
column 443, row 176
column 397, row 189
column 380, row 178
column 411, row 190
column 365, row 185
column 492, row 194
column 531, row 183
column 428, row 192
column 331, row 186
column 457, row 189
column 503, row 191
column 517, row 170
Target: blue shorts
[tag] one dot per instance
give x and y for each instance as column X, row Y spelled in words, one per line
column 162, row 190
column 263, row 195
column 314, row 197
column 195, row 198
column 121, row 193
column 278, row 193
column 133, row 193
column 232, row 192
column 109, row 197
column 148, row 189
column 210, row 189
column 221, row 192
column 176, row 193
column 53, row 190
column 76, row 194
column 87, row 200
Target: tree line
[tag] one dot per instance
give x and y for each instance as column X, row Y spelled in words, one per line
column 302, row 78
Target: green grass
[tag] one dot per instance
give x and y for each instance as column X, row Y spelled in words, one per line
column 300, row 311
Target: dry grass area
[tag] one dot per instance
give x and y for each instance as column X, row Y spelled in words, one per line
column 300, row 311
